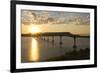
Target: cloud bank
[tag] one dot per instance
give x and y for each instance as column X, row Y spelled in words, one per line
column 53, row 17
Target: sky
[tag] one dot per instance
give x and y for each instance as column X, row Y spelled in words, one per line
column 34, row 21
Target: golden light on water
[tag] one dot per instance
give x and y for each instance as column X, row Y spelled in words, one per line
column 34, row 52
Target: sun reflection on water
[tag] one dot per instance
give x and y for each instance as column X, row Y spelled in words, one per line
column 34, row 52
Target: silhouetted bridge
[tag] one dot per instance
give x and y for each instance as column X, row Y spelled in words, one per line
column 53, row 34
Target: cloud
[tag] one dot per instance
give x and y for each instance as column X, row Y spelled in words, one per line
column 31, row 17
column 27, row 17
column 80, row 20
column 51, row 17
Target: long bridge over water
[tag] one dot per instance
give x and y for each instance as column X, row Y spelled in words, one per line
column 53, row 34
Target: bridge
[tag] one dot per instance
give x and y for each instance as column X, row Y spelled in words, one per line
column 53, row 34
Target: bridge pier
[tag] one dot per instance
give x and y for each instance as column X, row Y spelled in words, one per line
column 60, row 42
column 48, row 38
column 44, row 38
column 52, row 39
column 74, row 44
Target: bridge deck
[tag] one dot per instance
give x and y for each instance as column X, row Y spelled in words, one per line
column 53, row 34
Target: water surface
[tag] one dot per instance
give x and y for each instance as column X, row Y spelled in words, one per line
column 41, row 49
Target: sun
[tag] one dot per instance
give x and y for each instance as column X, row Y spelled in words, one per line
column 34, row 29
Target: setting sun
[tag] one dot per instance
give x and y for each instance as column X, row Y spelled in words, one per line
column 34, row 29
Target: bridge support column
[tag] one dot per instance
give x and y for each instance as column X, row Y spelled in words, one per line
column 48, row 38
column 74, row 45
column 60, row 43
column 43, row 38
column 52, row 39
